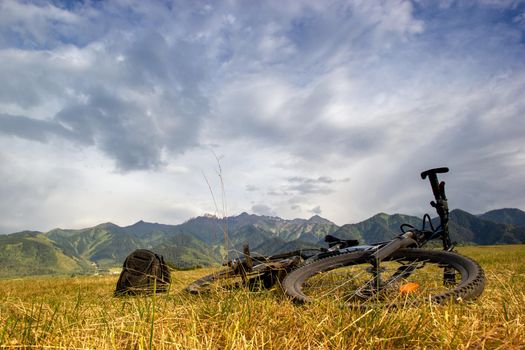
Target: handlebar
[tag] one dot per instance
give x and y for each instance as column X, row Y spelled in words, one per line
column 424, row 174
column 438, row 188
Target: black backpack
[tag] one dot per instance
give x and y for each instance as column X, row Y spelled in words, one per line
column 143, row 273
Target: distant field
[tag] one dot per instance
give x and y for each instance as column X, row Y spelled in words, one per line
column 80, row 312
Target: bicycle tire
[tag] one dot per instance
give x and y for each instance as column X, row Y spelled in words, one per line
column 352, row 283
column 227, row 279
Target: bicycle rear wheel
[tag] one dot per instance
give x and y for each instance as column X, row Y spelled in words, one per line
column 407, row 277
column 266, row 272
column 229, row 279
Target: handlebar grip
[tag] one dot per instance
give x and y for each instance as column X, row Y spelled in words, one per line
column 434, row 171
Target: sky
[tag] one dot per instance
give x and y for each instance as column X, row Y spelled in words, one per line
column 161, row 111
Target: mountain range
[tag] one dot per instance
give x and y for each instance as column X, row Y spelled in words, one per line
column 200, row 241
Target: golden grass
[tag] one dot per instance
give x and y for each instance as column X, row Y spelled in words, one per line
column 80, row 313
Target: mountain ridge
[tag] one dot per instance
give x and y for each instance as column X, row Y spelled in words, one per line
column 199, row 241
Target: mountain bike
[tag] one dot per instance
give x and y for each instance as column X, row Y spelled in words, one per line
column 396, row 272
column 258, row 272
column 390, row 273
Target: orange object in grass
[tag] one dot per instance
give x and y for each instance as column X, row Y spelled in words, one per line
column 409, row 287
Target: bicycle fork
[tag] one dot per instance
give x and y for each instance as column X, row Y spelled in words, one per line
column 376, row 284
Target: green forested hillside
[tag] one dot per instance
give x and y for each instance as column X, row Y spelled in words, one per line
column 31, row 253
column 185, row 251
column 508, row 216
column 103, row 244
column 482, row 231
column 378, row 228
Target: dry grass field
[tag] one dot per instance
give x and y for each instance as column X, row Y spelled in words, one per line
column 80, row 313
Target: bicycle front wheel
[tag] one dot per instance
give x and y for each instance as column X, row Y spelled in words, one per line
column 407, row 277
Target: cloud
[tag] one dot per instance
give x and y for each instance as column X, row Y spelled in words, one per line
column 304, row 186
column 316, row 210
column 31, row 129
column 251, row 188
column 359, row 106
column 32, row 25
column 117, row 128
column 157, row 98
column 263, row 209
column 133, row 96
column 27, row 193
column 299, row 96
